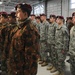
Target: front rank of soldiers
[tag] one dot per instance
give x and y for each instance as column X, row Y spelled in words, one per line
column 19, row 42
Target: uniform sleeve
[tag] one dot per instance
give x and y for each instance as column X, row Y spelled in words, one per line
column 66, row 40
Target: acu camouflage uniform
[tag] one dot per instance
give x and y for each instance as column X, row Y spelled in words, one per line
column 61, row 46
column 51, row 42
column 43, row 40
column 23, row 49
column 72, row 50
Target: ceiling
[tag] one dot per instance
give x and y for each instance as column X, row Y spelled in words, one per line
column 8, row 5
column 14, row 2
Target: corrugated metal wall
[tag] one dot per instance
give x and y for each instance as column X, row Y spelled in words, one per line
column 54, row 7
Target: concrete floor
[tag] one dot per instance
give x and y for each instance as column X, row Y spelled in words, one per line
column 43, row 71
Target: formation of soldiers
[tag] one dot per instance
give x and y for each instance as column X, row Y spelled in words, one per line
column 56, row 42
column 19, row 42
column 20, row 35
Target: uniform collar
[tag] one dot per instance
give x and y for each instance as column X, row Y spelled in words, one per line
column 23, row 23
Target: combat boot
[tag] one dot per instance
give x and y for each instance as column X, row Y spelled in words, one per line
column 50, row 67
column 53, row 70
column 44, row 64
column 40, row 62
column 57, row 73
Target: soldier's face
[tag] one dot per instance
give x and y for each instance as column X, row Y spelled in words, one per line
column 3, row 20
column 20, row 15
column 52, row 19
column 73, row 19
column 42, row 18
column 10, row 19
column 59, row 21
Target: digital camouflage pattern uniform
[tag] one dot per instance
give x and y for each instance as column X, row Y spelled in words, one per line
column 72, row 50
column 23, row 49
column 61, row 46
column 38, row 26
column 43, row 40
column 51, row 42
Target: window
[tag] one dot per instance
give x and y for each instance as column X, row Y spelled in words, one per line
column 72, row 4
column 39, row 9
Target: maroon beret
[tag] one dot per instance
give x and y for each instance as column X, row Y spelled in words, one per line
column 24, row 7
column 4, row 14
column 60, row 17
column 69, row 18
column 12, row 14
column 32, row 15
column 73, row 14
column 42, row 14
column 52, row 16
column 37, row 17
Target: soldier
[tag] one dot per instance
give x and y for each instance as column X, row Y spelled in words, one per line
column 51, row 42
column 61, row 45
column 32, row 17
column 69, row 23
column 12, row 18
column 38, row 25
column 72, row 46
column 38, row 21
column 24, row 44
column 3, row 21
column 43, row 39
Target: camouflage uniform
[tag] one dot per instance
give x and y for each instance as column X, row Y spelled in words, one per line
column 38, row 26
column 61, row 46
column 3, row 64
column 6, row 32
column 23, row 49
column 51, row 42
column 43, row 40
column 72, row 50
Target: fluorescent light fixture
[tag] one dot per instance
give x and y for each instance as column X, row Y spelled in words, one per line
column 1, row 2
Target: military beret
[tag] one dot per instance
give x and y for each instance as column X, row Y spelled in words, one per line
column 37, row 17
column 60, row 17
column 12, row 14
column 24, row 7
column 32, row 15
column 42, row 14
column 69, row 18
column 4, row 14
column 73, row 14
column 52, row 16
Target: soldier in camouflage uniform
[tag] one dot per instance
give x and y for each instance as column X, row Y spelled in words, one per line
column 38, row 23
column 6, row 31
column 32, row 17
column 72, row 46
column 43, row 39
column 51, row 42
column 61, row 45
column 24, row 44
column 3, row 21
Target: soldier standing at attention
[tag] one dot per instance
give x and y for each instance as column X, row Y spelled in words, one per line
column 51, row 42
column 12, row 18
column 24, row 44
column 43, row 39
column 61, row 45
column 4, row 23
column 32, row 17
column 72, row 46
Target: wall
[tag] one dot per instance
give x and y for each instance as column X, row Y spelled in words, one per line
column 59, row 7
column 54, row 7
